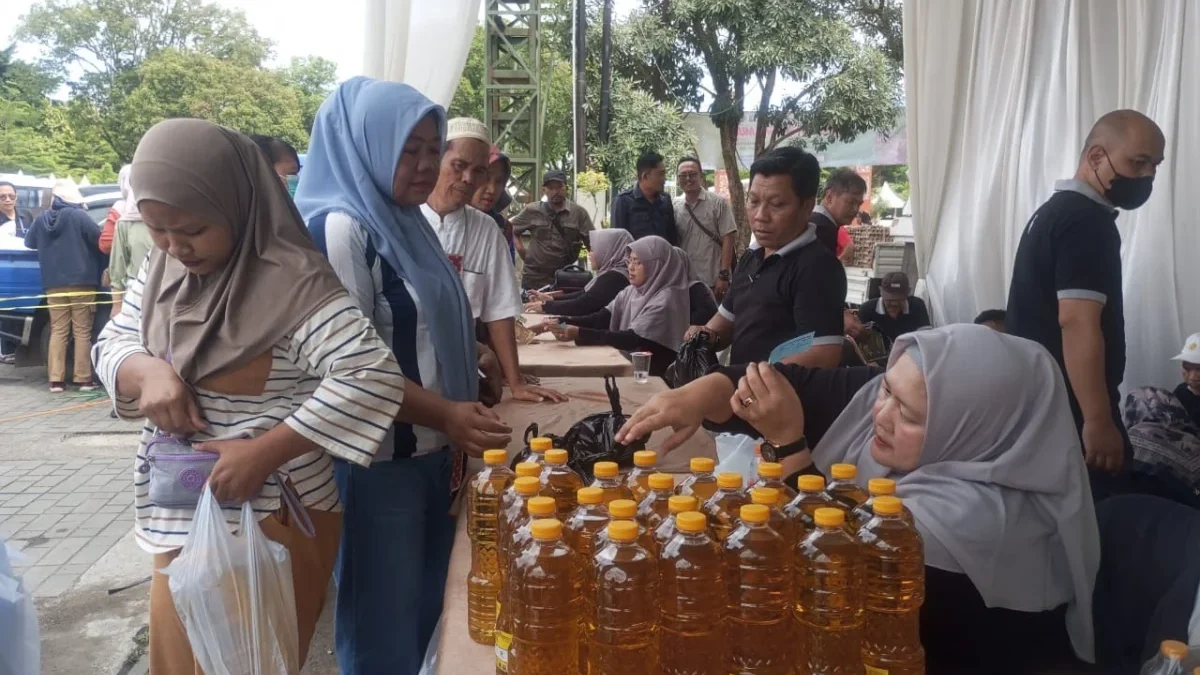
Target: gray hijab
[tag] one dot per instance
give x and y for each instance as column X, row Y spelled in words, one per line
column 608, row 252
column 658, row 309
column 1001, row 493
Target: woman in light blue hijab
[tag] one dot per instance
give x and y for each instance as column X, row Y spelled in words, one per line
column 372, row 161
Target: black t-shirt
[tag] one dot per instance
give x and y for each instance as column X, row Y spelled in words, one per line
column 914, row 318
column 1190, row 401
column 642, row 217
column 799, row 289
column 1070, row 249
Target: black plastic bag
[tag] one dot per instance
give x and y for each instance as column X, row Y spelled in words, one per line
column 693, row 361
column 593, row 438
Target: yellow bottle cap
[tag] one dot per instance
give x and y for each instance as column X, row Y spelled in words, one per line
column 527, row 485
column 1174, row 649
column 541, row 506
column 729, row 481
column 770, row 470
column 605, row 469
column 556, row 456
column 589, row 495
column 546, row 529
column 702, row 464
column 691, row 521
column 540, row 444
column 622, row 508
column 808, row 483
column 764, row 495
column 495, row 457
column 623, row 530
column 681, row 503
column 755, row 513
column 645, row 458
column 881, row 486
column 830, row 517
column 887, row 505
column 525, row 469
column 661, row 481
column 843, row 471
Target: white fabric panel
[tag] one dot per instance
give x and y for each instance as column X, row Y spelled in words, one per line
column 1000, row 97
column 423, row 43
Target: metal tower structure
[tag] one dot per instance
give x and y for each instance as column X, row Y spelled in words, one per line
column 512, row 88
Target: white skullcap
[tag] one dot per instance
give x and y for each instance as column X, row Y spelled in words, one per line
column 467, row 127
column 66, row 191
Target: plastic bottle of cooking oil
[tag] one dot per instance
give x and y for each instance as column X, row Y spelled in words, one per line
column 516, row 515
column 608, row 478
column 700, row 483
column 758, row 582
column 770, row 474
column 843, row 489
column 666, row 529
column 582, row 529
column 560, row 482
column 691, row 600
column 523, row 470
column 483, row 509
column 655, row 505
column 829, row 598
column 618, row 510
column 545, row 623
column 877, row 487
column 1168, row 661
column 624, row 638
column 895, row 589
column 769, row 497
column 722, row 507
column 638, row 478
column 802, row 510
column 537, row 448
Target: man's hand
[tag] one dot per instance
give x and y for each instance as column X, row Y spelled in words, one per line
column 534, row 394
column 241, row 470
column 693, row 330
column 767, row 401
column 473, row 428
column 165, row 400
column 565, row 333
column 1103, row 445
column 674, row 408
column 490, row 365
column 720, row 289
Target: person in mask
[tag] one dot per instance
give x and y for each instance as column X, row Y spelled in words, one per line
column 1066, row 282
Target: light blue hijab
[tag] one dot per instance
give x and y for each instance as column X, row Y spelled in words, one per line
column 357, row 139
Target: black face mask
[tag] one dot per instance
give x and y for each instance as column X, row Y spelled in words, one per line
column 1125, row 192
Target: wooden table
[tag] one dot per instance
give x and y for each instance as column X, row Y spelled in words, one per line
column 457, row 654
column 547, row 357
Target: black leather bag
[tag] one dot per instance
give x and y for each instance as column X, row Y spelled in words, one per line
column 693, row 361
column 571, row 278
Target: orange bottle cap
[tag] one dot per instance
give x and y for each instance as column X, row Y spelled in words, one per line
column 556, row 456
column 764, row 495
column 645, row 458
column 546, row 529
column 527, row 485
column 605, row 469
column 541, row 506
column 529, row 469
column 830, row 517
column 810, row 483
column 681, row 503
column 755, row 513
column 702, row 464
column 623, row 530
column 887, row 505
column 622, row 508
column 1174, row 649
column 843, row 471
column 495, row 457
column 770, row 470
column 540, row 444
column 691, row 521
column 729, row 481
column 881, row 486
column 589, row 495
column 661, row 481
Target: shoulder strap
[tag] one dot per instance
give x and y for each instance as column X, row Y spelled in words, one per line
column 711, row 235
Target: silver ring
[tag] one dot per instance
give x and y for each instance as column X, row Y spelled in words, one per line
column 748, row 401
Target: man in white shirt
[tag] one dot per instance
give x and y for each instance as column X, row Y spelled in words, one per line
column 478, row 250
column 706, row 228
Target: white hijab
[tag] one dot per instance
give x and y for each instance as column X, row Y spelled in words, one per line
column 1001, row 493
column 658, row 310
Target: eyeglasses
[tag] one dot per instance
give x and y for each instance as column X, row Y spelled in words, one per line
column 687, row 175
column 8, row 198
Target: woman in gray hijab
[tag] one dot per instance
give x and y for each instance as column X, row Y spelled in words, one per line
column 606, row 257
column 975, row 429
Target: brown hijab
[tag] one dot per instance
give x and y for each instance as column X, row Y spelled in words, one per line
column 275, row 277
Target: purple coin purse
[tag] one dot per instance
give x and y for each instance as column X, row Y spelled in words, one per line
column 177, row 472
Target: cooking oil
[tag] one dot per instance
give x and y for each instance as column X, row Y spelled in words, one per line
column 770, row 474
column 829, row 598
column 538, row 448
column 623, row 637
column 560, row 482
column 877, row 487
column 700, row 483
column 638, row 478
column 523, row 470
column 517, row 514
column 803, row 509
column 608, row 478
column 656, row 504
column 769, row 497
column 843, row 489
column 666, row 529
column 545, row 623
column 691, row 600
column 758, row 582
column 722, row 507
column 483, row 509
column 895, row 589
column 583, row 528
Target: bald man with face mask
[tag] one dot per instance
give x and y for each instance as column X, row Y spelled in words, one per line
column 1066, row 283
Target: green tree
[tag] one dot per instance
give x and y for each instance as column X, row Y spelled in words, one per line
column 639, row 123
column 312, row 77
column 468, row 98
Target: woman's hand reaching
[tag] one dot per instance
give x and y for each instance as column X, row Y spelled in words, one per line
column 767, row 401
column 163, row 397
column 675, row 408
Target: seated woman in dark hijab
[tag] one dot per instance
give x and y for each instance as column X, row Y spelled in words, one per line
column 606, row 256
column 996, row 483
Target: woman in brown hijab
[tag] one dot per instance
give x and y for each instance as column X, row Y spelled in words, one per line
column 243, row 350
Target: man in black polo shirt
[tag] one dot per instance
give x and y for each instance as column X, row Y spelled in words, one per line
column 895, row 313
column 1066, row 283
column 790, row 284
column 645, row 209
column 843, row 196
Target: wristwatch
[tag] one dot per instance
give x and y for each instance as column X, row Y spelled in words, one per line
column 724, row 275
column 775, row 453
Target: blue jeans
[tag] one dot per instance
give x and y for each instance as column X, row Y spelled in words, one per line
column 396, row 540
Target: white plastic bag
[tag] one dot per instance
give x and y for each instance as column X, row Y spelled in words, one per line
column 20, row 652
column 735, row 454
column 429, row 665
column 235, row 597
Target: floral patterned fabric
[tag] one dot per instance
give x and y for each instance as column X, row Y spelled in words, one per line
column 1165, row 438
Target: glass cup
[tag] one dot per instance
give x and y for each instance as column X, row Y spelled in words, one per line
column 641, row 367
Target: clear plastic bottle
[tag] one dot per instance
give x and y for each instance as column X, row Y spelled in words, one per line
column 877, row 487
column 545, row 622
column 701, row 483
column 829, row 598
column 523, row 470
column 483, row 522
column 666, row 529
column 803, row 509
column 656, row 504
column 624, row 635
column 758, row 582
column 538, row 448
column 769, row 497
column 560, row 482
column 843, row 489
column 514, row 512
column 638, row 478
column 691, row 600
column 722, row 507
column 770, row 474
column 516, row 515
column 895, row 590
column 608, row 478
column 582, row 531
column 1168, row 661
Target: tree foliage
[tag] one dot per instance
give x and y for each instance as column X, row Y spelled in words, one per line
column 639, row 123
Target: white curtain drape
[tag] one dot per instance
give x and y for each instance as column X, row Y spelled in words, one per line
column 1000, row 96
column 423, row 43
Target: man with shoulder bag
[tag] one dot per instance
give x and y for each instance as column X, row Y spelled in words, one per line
column 557, row 229
column 706, row 227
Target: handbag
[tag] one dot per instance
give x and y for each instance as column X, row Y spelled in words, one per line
column 571, row 277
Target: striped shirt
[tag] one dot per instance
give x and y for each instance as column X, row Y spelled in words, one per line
column 332, row 381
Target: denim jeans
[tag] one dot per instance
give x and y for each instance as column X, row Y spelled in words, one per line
column 396, row 540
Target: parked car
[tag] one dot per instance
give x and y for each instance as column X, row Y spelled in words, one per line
column 33, row 194
column 102, row 188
